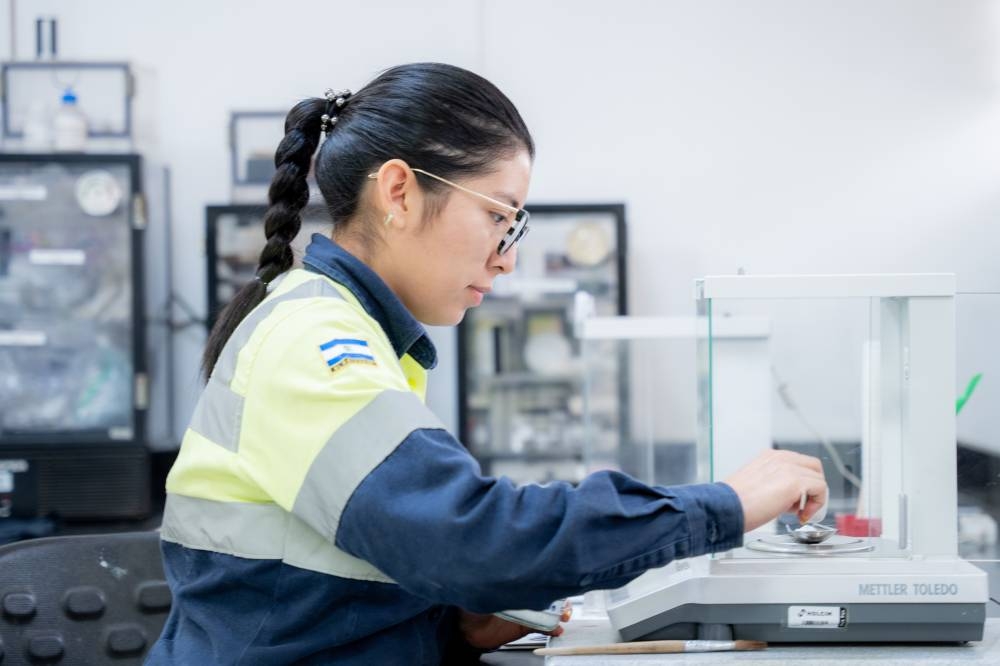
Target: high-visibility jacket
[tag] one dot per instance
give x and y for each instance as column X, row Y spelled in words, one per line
column 319, row 513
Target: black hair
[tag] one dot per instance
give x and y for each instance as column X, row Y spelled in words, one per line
column 437, row 117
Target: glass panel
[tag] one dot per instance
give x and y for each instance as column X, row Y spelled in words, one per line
column 602, row 411
column 703, row 379
column 978, row 425
column 648, row 430
column 820, row 376
column 66, row 336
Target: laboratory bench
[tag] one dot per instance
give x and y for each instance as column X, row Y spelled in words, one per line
column 595, row 629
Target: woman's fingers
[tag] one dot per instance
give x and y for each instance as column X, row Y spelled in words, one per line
column 774, row 482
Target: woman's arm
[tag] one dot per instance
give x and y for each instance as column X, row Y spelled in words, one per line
column 427, row 518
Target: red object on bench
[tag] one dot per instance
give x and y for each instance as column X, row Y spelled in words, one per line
column 848, row 524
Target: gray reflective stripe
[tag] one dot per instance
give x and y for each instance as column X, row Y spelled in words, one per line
column 225, row 367
column 255, row 531
column 353, row 451
column 259, row 532
column 218, row 415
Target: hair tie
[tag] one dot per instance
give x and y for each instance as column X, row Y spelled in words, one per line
column 334, row 102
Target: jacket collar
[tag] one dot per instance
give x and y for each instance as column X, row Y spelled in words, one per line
column 405, row 333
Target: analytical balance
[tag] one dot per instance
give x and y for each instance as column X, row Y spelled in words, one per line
column 867, row 369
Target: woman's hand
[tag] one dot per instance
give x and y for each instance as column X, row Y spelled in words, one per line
column 774, row 482
column 488, row 632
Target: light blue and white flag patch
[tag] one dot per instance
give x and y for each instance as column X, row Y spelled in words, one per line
column 340, row 352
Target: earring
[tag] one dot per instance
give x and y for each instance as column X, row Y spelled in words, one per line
column 387, row 220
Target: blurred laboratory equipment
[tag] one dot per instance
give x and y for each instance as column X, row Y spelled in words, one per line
column 521, row 376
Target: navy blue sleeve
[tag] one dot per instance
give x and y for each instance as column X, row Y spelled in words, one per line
column 428, row 518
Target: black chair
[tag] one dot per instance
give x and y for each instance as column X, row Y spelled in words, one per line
column 90, row 599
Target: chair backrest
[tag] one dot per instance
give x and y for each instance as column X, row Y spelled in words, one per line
column 88, row 599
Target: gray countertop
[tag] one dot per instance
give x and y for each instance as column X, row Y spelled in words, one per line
column 594, row 629
column 597, row 630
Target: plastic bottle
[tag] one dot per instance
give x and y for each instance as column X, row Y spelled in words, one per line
column 37, row 128
column 70, row 125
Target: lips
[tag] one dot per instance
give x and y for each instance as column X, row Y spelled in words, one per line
column 478, row 294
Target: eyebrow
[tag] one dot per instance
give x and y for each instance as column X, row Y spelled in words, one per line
column 503, row 196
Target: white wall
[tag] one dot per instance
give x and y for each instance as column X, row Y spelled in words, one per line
column 778, row 136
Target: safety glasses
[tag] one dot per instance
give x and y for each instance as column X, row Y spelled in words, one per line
column 517, row 230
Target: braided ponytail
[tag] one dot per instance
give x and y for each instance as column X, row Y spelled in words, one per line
column 288, row 195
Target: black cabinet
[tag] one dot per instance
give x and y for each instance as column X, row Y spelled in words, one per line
column 73, row 383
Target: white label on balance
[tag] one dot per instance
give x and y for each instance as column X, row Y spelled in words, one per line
column 817, row 617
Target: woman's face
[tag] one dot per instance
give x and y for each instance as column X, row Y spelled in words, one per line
column 444, row 265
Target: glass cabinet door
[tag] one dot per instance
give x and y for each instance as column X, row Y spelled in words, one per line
column 70, row 321
column 234, row 239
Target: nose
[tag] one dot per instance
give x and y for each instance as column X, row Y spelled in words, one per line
column 504, row 262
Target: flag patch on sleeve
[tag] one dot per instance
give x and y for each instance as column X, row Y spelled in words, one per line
column 341, row 352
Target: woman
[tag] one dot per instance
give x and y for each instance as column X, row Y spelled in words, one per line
column 318, row 512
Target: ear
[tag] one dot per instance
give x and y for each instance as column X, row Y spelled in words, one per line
column 397, row 192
